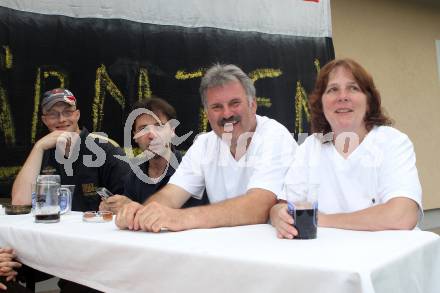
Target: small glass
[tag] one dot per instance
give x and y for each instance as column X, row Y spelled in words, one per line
column 302, row 205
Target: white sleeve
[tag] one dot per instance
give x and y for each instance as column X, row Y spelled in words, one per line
column 272, row 160
column 398, row 175
column 297, row 175
column 189, row 174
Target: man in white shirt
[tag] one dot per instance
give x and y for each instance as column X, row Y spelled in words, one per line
column 241, row 163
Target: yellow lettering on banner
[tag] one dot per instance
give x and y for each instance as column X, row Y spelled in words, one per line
column 103, row 83
column 37, row 94
column 60, row 76
column 264, row 102
column 203, row 118
column 9, row 172
column 317, row 65
column 264, row 73
column 301, row 107
column 261, row 73
column 39, row 84
column 144, row 88
column 6, row 122
column 183, row 75
column 6, row 58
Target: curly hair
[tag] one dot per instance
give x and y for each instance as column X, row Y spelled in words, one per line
column 375, row 113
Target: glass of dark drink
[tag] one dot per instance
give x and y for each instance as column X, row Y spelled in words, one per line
column 47, row 209
column 302, row 205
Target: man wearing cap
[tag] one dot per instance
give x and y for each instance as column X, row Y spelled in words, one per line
column 60, row 115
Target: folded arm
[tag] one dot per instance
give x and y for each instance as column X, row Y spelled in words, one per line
column 162, row 210
column 170, row 197
column 250, row 208
column 399, row 213
column 21, row 189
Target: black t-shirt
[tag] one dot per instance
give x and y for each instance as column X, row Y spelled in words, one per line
column 109, row 173
column 139, row 191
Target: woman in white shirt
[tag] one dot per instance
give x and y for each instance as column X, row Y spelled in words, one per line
column 364, row 168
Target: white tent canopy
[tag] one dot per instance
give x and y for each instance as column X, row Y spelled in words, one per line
column 287, row 17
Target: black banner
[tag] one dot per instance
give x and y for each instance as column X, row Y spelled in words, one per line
column 110, row 63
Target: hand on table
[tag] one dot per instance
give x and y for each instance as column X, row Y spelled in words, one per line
column 282, row 221
column 125, row 217
column 7, row 265
column 154, row 217
column 114, row 203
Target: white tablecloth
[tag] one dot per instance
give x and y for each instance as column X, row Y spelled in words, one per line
column 238, row 259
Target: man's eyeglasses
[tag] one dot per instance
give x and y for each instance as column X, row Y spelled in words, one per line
column 56, row 115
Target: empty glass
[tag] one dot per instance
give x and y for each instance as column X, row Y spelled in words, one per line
column 66, row 195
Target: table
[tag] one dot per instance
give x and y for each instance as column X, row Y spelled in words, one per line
column 236, row 259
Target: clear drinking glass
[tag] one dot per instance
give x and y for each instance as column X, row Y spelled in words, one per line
column 302, row 205
column 47, row 208
column 41, row 179
column 66, row 195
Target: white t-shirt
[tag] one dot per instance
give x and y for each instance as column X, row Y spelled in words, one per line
column 382, row 167
column 209, row 163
